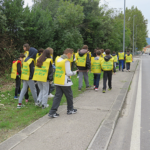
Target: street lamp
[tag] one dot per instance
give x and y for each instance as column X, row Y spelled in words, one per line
column 124, row 26
column 133, row 33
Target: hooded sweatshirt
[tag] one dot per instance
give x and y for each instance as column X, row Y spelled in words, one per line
column 107, row 58
column 88, row 62
column 32, row 54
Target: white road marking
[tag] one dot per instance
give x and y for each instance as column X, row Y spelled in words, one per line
column 136, row 128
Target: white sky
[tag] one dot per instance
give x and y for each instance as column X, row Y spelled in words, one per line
column 143, row 5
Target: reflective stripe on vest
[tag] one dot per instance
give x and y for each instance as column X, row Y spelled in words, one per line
column 40, row 74
column 81, row 61
column 107, row 65
column 128, row 58
column 115, row 58
column 25, row 74
column 14, row 70
column 121, row 56
column 95, row 65
column 60, row 71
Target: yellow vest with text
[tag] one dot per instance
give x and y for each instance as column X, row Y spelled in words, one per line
column 115, row 58
column 60, row 71
column 107, row 65
column 40, row 74
column 95, row 65
column 76, row 56
column 81, row 61
column 25, row 74
column 121, row 56
column 128, row 58
column 14, row 70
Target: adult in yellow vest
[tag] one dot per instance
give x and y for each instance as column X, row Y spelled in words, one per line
column 107, row 66
column 121, row 57
column 84, row 65
column 16, row 73
column 26, row 76
column 63, row 83
column 115, row 59
column 129, row 59
column 96, row 68
column 43, row 74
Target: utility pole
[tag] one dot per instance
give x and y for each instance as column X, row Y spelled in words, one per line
column 124, row 26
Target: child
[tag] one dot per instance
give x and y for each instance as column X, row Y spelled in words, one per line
column 43, row 74
column 96, row 68
column 26, row 48
column 129, row 59
column 115, row 60
column 50, row 95
column 39, row 53
column 76, row 55
column 26, row 76
column 16, row 73
column 63, row 84
column 84, row 65
column 121, row 57
column 107, row 66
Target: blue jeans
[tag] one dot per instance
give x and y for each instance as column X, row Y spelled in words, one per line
column 121, row 63
column 96, row 80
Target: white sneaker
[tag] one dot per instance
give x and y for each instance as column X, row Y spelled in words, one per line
column 50, row 95
column 77, row 76
column 43, row 107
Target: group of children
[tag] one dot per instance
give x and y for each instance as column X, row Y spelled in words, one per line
column 37, row 68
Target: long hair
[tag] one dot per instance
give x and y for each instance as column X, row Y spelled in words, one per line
column 41, row 59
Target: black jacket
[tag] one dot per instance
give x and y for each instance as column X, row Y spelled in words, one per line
column 88, row 62
column 50, row 73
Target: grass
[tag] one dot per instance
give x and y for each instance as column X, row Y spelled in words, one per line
column 13, row 120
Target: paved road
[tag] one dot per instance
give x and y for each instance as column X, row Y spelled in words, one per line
column 133, row 128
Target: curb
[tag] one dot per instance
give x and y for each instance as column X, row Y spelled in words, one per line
column 103, row 135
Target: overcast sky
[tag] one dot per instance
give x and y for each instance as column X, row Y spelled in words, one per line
column 143, row 5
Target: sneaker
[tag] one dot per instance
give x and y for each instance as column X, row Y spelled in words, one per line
column 19, row 106
column 43, row 107
column 77, row 76
column 72, row 111
column 38, row 104
column 94, row 86
column 15, row 97
column 79, row 89
column 88, row 87
column 96, row 89
column 109, row 89
column 53, row 115
column 104, row 91
column 27, row 100
column 50, row 95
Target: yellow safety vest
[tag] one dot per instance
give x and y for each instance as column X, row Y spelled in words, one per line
column 81, row 61
column 76, row 56
column 14, row 70
column 40, row 74
column 71, row 59
column 89, row 55
column 60, row 71
column 25, row 74
column 128, row 58
column 115, row 58
column 95, row 65
column 121, row 56
column 107, row 65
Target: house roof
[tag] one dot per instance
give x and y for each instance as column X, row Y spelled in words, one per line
column 147, row 46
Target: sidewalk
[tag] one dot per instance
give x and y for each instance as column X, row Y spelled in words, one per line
column 90, row 128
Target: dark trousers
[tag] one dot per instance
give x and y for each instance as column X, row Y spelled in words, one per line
column 121, row 63
column 27, row 95
column 107, row 75
column 18, row 82
column 128, row 66
column 60, row 90
column 96, row 80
